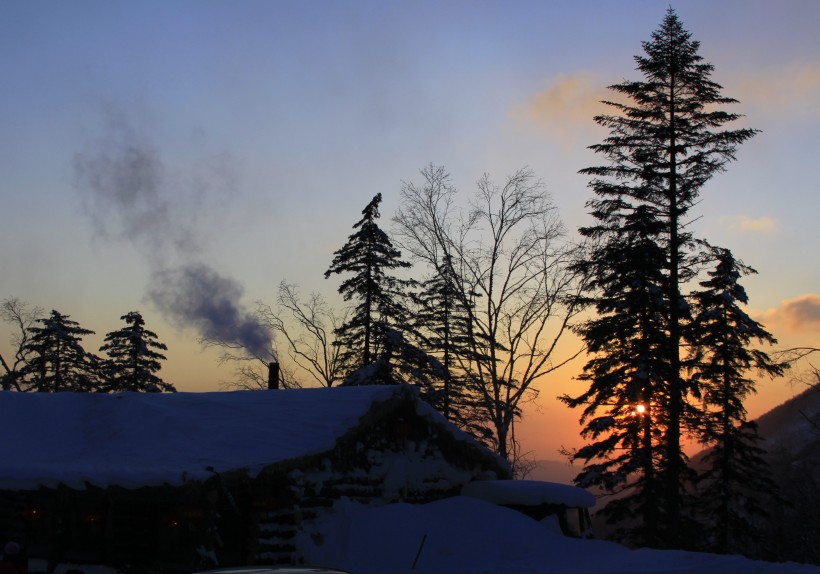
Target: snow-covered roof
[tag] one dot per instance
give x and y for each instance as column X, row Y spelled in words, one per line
column 529, row 493
column 136, row 439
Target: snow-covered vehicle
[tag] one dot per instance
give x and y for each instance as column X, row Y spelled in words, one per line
column 274, row 570
column 560, row 505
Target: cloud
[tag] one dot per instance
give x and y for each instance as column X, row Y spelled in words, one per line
column 795, row 316
column 569, row 103
column 783, row 91
column 763, row 225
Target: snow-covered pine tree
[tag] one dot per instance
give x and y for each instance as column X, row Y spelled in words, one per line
column 56, row 358
column 665, row 143
column 379, row 310
column 737, row 481
column 133, row 358
column 628, row 342
column 442, row 322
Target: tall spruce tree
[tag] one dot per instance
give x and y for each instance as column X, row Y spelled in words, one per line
column 627, row 339
column 665, row 143
column 377, row 325
column 133, row 358
column 56, row 359
column 737, row 480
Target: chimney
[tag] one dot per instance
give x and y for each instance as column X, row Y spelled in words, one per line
column 273, row 376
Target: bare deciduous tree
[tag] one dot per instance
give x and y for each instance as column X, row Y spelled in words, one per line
column 306, row 328
column 512, row 262
column 428, row 223
column 251, row 373
column 251, row 370
column 22, row 316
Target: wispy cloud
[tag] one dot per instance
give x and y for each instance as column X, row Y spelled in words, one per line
column 567, row 104
column 762, row 225
column 783, row 91
column 800, row 315
column 570, row 101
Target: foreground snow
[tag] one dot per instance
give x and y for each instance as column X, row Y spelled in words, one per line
column 469, row 536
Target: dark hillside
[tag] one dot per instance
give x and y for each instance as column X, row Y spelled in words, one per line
column 791, row 433
column 794, row 425
column 792, row 439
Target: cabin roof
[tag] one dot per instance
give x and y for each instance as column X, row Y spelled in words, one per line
column 139, row 439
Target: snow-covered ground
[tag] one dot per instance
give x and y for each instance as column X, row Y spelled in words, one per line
column 464, row 535
column 458, row 535
column 468, row 536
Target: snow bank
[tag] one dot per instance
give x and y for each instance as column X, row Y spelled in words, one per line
column 135, row 439
column 468, row 536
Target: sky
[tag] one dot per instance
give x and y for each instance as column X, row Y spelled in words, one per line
column 149, row 146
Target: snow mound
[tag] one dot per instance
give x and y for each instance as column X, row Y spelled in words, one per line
column 464, row 535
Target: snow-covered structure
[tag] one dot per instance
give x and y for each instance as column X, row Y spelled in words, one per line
column 564, row 507
column 185, row 480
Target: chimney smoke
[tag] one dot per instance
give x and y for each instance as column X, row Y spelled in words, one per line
column 130, row 192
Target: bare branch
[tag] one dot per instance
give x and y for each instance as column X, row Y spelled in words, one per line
column 309, row 333
column 515, row 278
column 22, row 316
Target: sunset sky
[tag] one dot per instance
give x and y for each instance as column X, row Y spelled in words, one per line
column 259, row 130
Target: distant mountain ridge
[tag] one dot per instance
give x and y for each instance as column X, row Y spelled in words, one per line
column 793, row 425
column 788, row 430
column 554, row 471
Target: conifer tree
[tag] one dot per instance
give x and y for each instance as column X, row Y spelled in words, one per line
column 665, row 143
column 56, row 358
column 133, row 358
column 737, row 479
column 442, row 322
column 626, row 375
column 379, row 297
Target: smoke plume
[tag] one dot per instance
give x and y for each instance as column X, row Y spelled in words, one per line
column 195, row 294
column 130, row 194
